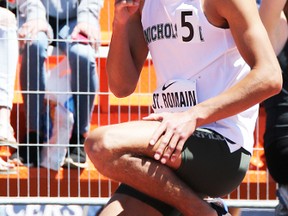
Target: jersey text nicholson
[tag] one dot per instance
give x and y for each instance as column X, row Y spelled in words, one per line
column 160, row 31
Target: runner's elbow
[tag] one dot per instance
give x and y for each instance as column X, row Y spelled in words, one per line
column 121, row 91
column 275, row 81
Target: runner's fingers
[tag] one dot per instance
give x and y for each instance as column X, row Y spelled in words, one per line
column 126, row 3
column 178, row 150
column 167, row 144
column 170, row 148
column 164, row 142
column 157, row 134
column 122, row 3
column 160, row 150
column 175, row 147
column 152, row 117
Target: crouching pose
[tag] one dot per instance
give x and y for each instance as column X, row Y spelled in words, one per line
column 214, row 64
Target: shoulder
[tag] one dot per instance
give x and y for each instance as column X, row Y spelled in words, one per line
column 222, row 13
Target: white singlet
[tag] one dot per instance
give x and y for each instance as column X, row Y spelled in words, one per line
column 184, row 45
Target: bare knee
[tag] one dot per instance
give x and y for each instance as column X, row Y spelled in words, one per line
column 99, row 150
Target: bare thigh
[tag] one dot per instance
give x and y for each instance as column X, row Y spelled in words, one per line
column 130, row 137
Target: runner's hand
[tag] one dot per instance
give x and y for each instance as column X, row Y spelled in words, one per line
column 174, row 130
column 124, row 9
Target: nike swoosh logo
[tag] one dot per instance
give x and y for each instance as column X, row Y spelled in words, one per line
column 165, row 87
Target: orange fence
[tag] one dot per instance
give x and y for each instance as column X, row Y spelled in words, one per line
column 68, row 183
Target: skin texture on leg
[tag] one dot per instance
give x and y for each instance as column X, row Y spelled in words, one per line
column 122, row 152
column 235, row 211
column 121, row 204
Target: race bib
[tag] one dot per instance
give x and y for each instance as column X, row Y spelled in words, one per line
column 175, row 96
column 187, row 22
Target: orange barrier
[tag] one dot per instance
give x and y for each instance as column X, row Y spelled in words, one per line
column 257, row 183
column 106, row 19
column 146, row 85
column 89, row 183
column 109, row 110
column 48, row 183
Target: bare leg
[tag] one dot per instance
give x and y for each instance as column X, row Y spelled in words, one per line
column 121, row 204
column 122, row 152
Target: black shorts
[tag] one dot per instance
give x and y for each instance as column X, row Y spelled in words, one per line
column 208, row 167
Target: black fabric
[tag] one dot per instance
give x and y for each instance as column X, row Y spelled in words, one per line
column 208, row 167
column 163, row 208
column 220, row 211
column 276, row 132
column 277, row 160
